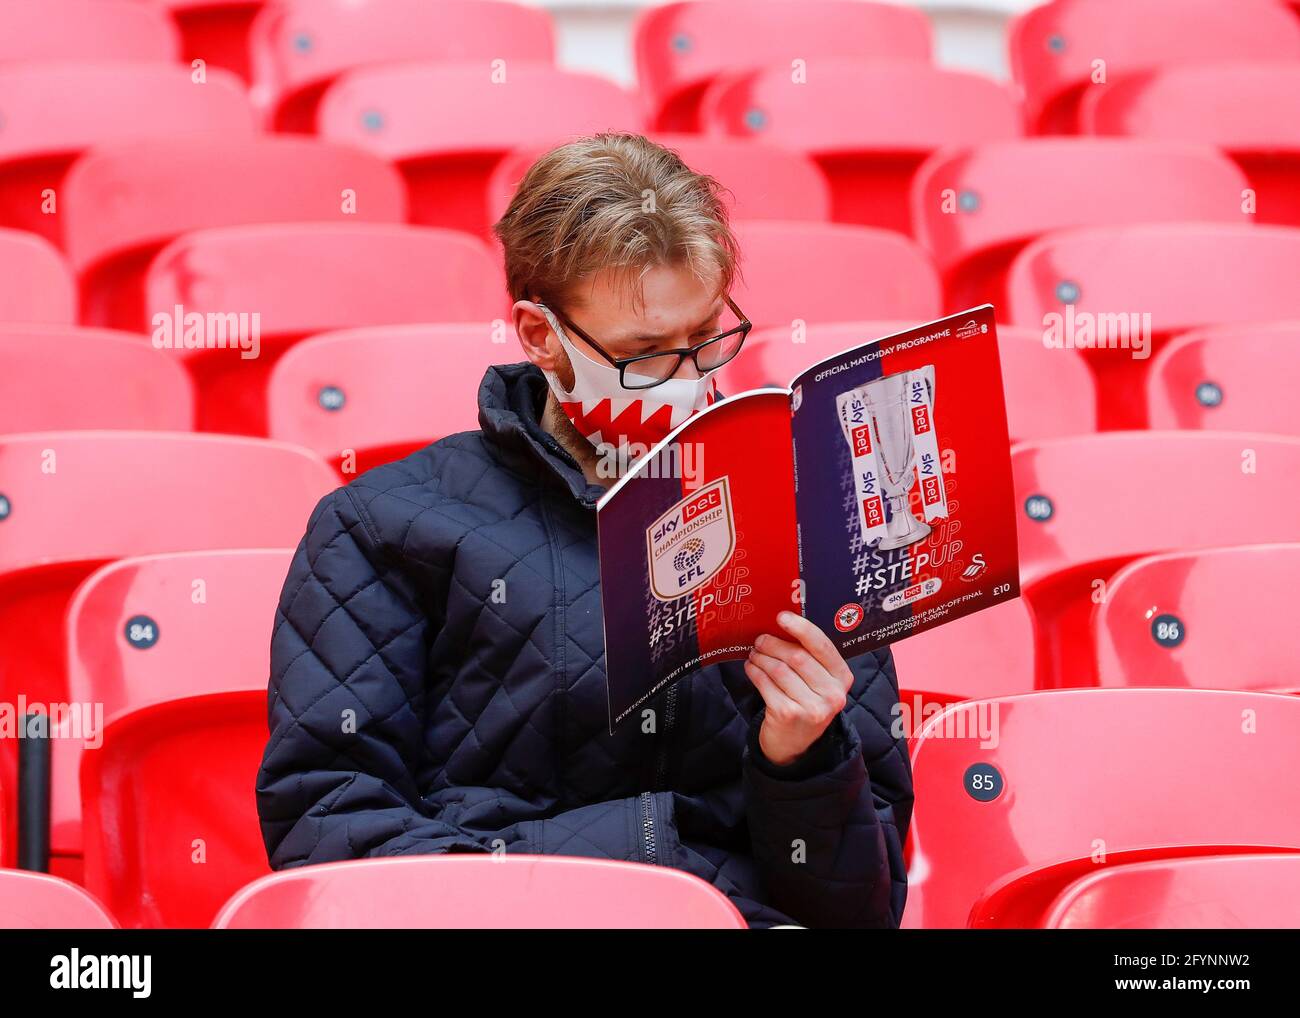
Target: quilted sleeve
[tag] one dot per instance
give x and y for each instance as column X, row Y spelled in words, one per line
column 339, row 777
column 828, row 830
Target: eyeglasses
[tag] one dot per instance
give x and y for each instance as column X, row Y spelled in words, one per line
column 645, row 371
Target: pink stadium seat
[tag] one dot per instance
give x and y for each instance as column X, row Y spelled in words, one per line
column 447, row 150
column 1251, row 110
column 36, row 30
column 762, row 181
column 123, row 202
column 1150, row 282
column 1054, row 47
column 62, row 378
column 1049, row 393
column 1212, row 892
column 38, row 901
column 1017, row 797
column 868, row 125
column 298, row 48
column 72, row 501
column 167, row 842
column 362, row 397
column 308, row 277
column 1221, row 618
column 681, row 47
column 52, row 112
column 1228, row 378
column 216, row 31
column 160, row 627
column 822, row 272
column 1088, row 505
column 35, row 282
column 975, row 207
column 480, row 893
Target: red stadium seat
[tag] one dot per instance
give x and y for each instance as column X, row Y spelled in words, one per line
column 160, row 627
column 35, row 282
column 447, row 150
column 63, row 378
column 1149, row 282
column 38, row 901
column 478, row 893
column 1055, row 48
column 1228, row 378
column 72, row 501
column 215, row 31
column 1049, row 393
column 123, row 202
column 868, row 125
column 36, row 30
column 762, row 181
column 1088, row 505
column 681, row 47
column 820, row 272
column 362, row 397
column 974, row 208
column 990, row 653
column 1251, row 110
column 1215, row 619
column 297, row 49
column 1017, row 797
column 168, row 839
column 304, row 278
column 52, row 112
column 1212, row 892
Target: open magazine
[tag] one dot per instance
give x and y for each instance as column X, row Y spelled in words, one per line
column 874, row 495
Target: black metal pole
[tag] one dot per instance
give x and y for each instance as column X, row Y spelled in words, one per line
column 34, row 794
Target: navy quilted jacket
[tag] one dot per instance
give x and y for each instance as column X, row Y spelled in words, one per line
column 437, row 685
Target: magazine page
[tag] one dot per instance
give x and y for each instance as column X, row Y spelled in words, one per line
column 697, row 547
column 903, row 492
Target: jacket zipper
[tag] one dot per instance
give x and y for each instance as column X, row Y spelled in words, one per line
column 648, row 827
column 670, row 711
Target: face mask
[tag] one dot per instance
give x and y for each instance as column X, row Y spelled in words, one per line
column 605, row 413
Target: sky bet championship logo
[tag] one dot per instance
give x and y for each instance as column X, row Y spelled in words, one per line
column 691, row 541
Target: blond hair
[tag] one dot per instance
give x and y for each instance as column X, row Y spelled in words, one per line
column 618, row 202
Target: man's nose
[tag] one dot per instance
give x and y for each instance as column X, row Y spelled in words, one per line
column 687, row 370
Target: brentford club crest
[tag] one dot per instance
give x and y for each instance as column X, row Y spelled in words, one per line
column 848, row 617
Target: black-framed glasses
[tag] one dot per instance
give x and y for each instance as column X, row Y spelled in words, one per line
column 646, row 370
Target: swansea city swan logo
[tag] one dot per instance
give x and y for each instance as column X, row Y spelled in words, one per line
column 690, row 542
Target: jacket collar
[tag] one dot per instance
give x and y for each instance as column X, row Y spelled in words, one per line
column 511, row 399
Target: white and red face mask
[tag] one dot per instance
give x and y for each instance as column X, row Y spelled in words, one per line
column 607, row 414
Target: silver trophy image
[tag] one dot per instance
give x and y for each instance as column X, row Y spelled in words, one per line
column 891, row 428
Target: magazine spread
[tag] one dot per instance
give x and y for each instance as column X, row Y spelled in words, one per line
column 874, row 495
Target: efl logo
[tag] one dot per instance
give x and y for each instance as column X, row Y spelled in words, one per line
column 689, row 543
column 862, row 441
column 710, row 499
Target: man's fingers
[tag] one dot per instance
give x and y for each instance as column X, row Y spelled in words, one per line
column 771, row 693
column 817, row 643
column 790, row 682
column 797, row 657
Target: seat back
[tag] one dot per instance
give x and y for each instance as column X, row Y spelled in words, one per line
column 39, row 30
column 123, row 202
column 1055, row 47
column 1228, row 377
column 62, row 377
column 681, row 47
column 361, row 397
column 1181, row 619
column 480, row 892
column 1090, row 504
column 974, row 207
column 168, row 839
column 795, row 271
column 38, row 901
column 1026, row 792
column 35, row 282
column 869, row 125
column 297, row 49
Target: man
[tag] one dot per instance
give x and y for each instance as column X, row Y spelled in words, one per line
column 437, row 678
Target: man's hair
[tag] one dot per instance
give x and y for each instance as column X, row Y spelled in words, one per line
column 612, row 201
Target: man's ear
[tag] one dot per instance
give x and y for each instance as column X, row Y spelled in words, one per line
column 535, row 336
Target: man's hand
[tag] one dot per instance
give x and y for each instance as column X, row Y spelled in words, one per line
column 804, row 683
